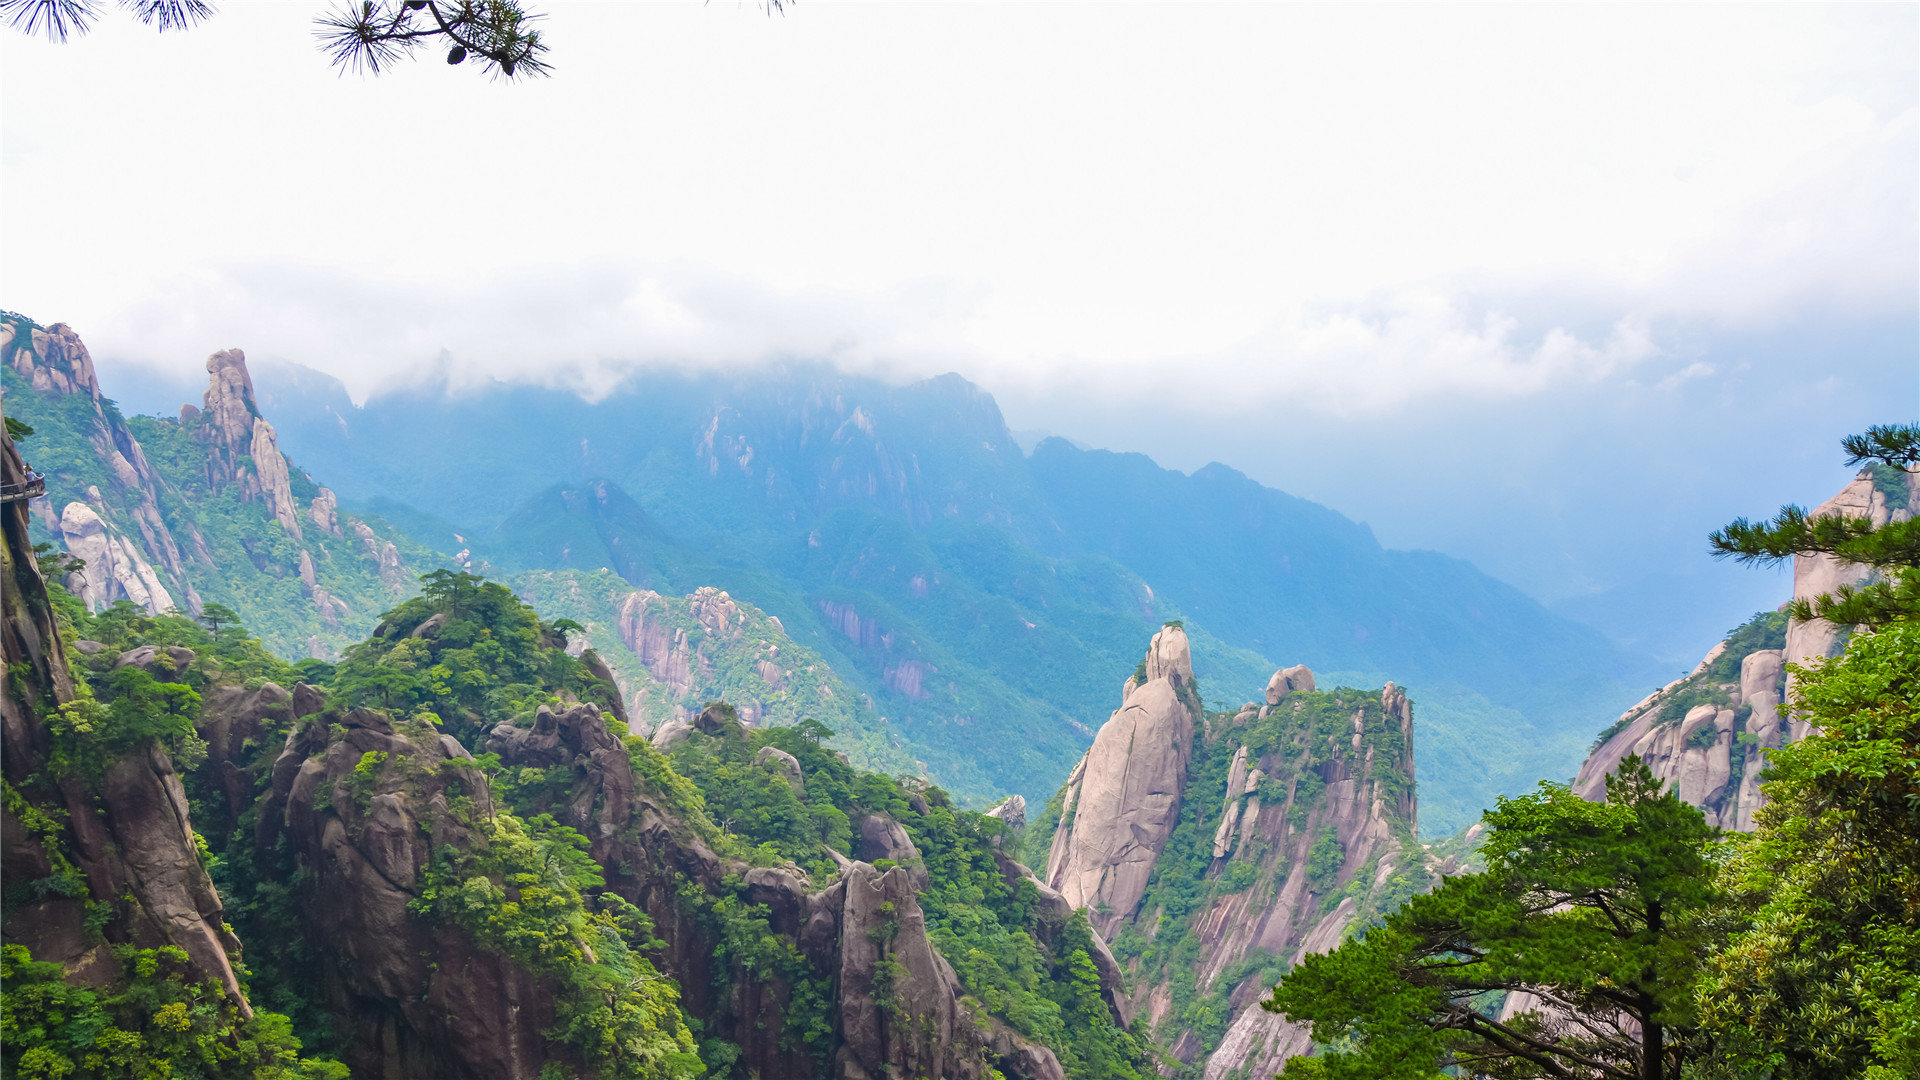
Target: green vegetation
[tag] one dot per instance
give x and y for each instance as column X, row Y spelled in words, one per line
column 805, row 685
column 1653, row 946
column 1600, row 907
column 1892, row 549
column 522, row 891
column 232, row 552
column 1294, row 745
column 158, row 1021
column 486, row 658
column 1035, row 977
column 1822, row 975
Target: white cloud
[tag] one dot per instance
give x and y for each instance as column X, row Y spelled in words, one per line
column 1360, row 206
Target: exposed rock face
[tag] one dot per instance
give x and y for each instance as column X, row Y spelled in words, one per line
column 128, row 831
column 1286, row 681
column 1124, row 795
column 1316, row 803
column 681, row 659
column 275, row 481
column 1815, row 575
column 423, row 997
column 788, row 766
column 1359, row 799
column 54, row 360
column 120, row 529
column 229, row 410
column 324, row 510
column 114, row 569
column 1012, row 810
column 902, row 1018
column 1699, row 752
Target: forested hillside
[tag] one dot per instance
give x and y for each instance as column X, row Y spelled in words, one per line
column 444, row 856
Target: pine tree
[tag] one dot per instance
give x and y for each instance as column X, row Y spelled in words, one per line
column 1892, row 549
column 1595, row 910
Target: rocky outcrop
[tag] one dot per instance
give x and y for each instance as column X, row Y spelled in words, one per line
column 420, row 997
column 1816, row 575
column 1310, row 821
column 1012, row 810
column 122, row 533
column 1286, row 681
column 1122, row 800
column 1697, row 748
column 113, row 569
column 231, row 424
column 325, row 512
column 1707, row 733
column 897, row 1005
column 127, row 836
column 680, row 645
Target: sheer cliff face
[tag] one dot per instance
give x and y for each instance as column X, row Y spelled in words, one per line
column 1214, row 851
column 202, row 509
column 126, row 846
column 1122, row 800
column 1708, row 732
column 1881, row 502
column 114, row 524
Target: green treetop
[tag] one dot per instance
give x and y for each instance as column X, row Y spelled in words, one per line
column 1595, row 910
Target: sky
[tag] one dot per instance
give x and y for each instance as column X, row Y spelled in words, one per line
column 1553, row 288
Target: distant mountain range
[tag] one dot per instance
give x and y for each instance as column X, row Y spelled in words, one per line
column 985, row 599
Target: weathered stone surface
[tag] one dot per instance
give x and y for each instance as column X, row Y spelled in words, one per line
column 1816, row 575
column 880, row 837
column 1702, row 769
column 1125, row 793
column 114, row 570
column 324, row 510
column 1012, row 810
column 1286, row 681
column 128, row 831
column 671, row 734
column 788, row 766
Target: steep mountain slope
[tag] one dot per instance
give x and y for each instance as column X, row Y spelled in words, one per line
column 670, row 655
column 201, row 510
column 116, row 950
column 1216, row 849
column 981, row 597
column 1707, row 733
column 482, row 878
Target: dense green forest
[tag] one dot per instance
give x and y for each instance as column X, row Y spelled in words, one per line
column 465, row 658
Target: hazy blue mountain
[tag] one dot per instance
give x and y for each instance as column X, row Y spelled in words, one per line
column 990, row 601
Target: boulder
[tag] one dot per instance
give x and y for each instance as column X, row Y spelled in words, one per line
column 788, row 766
column 880, row 837
column 1012, row 810
column 1287, row 681
column 671, row 734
